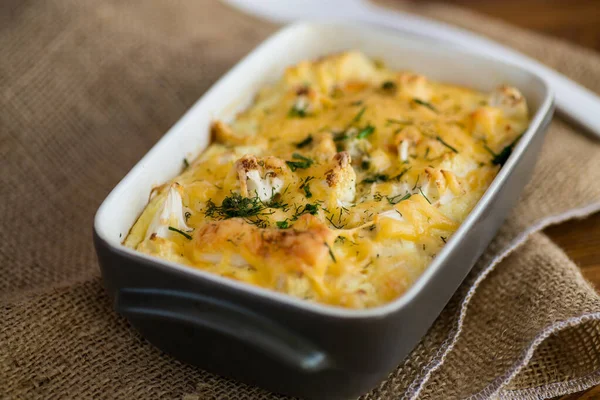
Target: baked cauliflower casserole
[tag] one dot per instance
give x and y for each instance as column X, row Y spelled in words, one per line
column 339, row 184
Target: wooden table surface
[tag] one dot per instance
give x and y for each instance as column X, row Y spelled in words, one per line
column 577, row 21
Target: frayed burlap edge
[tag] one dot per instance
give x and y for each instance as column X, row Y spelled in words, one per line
column 416, row 387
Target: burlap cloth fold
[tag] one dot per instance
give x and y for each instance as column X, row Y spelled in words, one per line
column 86, row 88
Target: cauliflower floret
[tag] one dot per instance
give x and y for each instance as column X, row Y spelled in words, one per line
column 510, row 101
column 263, row 177
column 458, row 164
column 441, row 185
column 380, row 161
column 357, row 147
column 403, row 150
column 342, row 178
column 225, row 154
column 223, row 133
column 169, row 215
column 486, row 123
column 325, row 73
column 414, row 86
column 405, row 139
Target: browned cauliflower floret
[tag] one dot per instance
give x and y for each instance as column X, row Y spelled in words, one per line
column 510, row 101
column 342, row 178
column 263, row 177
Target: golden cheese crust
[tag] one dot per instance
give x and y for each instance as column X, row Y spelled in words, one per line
column 338, row 185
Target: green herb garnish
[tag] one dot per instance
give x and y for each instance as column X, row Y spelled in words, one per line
column 311, row 209
column 502, row 157
column 331, row 253
column 185, row 235
column 425, row 104
column 376, row 178
column 392, row 200
column 235, row 206
column 304, row 162
column 398, row 121
column 416, row 182
column 339, row 136
column 304, row 186
column 365, row 164
column 187, row 215
column 400, row 175
column 439, row 139
column 368, row 130
column 358, row 116
column 186, row 164
column 388, row 86
column 423, row 194
column 308, row 208
column 305, row 142
column 336, row 226
column 282, row 224
column 307, row 191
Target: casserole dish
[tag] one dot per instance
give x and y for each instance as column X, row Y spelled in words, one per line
column 267, row 338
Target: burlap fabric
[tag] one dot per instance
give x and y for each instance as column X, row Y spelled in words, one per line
column 86, row 88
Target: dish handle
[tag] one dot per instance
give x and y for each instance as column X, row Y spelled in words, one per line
column 224, row 318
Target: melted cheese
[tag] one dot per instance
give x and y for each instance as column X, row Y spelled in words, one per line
column 338, row 185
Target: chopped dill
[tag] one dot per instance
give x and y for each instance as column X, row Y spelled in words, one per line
column 501, row 158
column 358, row 116
column 336, row 226
column 439, row 139
column 443, row 239
column 304, row 142
column 187, row 215
column 186, row 163
column 417, row 182
column 393, row 200
column 331, row 252
column 368, row 130
column 308, row 208
column 376, row 178
column 423, row 194
column 339, row 136
column 365, row 164
column 304, row 162
column 305, row 186
column 185, row 235
column 282, row 224
column 278, row 203
column 425, row 104
column 398, row 121
column 389, row 86
column 400, row 175
column 234, row 206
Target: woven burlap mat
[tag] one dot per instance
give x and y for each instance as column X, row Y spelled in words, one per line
column 86, row 88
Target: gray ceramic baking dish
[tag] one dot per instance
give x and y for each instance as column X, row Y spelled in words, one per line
column 270, row 339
